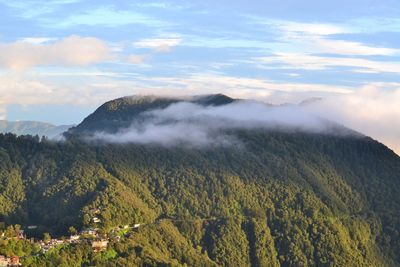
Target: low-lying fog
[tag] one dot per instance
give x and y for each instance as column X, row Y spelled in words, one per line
column 198, row 125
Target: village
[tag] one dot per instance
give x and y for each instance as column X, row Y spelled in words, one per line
column 95, row 236
column 92, row 235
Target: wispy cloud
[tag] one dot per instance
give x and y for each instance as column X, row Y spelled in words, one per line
column 228, row 83
column 138, row 59
column 320, row 29
column 314, row 38
column 163, row 5
column 106, row 17
column 311, row 62
column 374, row 24
column 155, row 45
column 159, row 45
column 37, row 40
column 35, row 8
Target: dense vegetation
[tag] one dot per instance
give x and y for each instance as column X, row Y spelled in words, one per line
column 279, row 199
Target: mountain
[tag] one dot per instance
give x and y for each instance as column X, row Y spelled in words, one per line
column 120, row 113
column 280, row 198
column 32, row 128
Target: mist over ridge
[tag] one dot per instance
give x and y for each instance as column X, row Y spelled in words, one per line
column 210, row 119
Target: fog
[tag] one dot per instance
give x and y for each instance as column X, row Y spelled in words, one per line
column 197, row 125
column 374, row 110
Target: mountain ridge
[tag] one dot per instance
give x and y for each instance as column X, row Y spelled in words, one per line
column 33, row 128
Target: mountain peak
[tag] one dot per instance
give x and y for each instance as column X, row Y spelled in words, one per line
column 130, row 101
column 212, row 99
column 121, row 112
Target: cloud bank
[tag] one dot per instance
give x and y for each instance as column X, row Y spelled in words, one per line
column 197, row 125
column 373, row 110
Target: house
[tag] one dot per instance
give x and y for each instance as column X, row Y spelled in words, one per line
column 94, row 211
column 48, row 246
column 74, row 237
column 14, row 261
column 89, row 231
column 56, row 242
column 4, row 261
column 96, row 220
column 136, row 225
column 21, row 234
column 99, row 245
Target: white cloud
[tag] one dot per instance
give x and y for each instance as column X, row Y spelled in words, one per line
column 71, row 51
column 350, row 48
column 137, row 59
column 311, row 62
column 197, row 125
column 240, row 86
column 37, row 40
column 107, row 16
column 314, row 38
column 309, row 28
column 156, row 45
column 162, row 5
column 36, row 8
column 374, row 25
column 372, row 110
column 27, row 89
column 160, row 45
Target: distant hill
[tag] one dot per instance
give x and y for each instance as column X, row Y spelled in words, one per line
column 32, row 128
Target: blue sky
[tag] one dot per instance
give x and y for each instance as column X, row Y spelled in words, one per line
column 60, row 59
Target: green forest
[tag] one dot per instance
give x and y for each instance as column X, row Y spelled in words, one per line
column 281, row 199
column 272, row 198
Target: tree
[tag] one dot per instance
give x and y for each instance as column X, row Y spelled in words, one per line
column 46, row 237
column 72, row 230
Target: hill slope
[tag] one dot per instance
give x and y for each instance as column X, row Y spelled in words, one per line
column 278, row 199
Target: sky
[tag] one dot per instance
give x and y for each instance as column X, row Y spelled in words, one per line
column 60, row 59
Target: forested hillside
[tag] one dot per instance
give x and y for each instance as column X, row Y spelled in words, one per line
column 274, row 198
